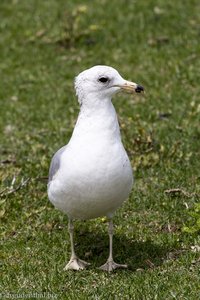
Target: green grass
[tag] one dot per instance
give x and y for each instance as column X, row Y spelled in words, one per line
column 44, row 45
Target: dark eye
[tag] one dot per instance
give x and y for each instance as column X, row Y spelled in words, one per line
column 103, row 79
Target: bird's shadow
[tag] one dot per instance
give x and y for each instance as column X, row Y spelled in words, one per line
column 139, row 255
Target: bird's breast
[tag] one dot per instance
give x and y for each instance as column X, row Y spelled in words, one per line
column 93, row 180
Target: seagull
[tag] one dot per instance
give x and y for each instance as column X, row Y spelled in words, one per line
column 91, row 176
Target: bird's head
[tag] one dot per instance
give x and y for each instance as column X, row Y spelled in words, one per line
column 102, row 82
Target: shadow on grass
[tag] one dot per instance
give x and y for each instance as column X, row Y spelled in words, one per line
column 94, row 248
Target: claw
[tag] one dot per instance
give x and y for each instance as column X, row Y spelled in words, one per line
column 76, row 264
column 109, row 266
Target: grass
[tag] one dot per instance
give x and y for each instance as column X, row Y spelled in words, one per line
column 44, row 45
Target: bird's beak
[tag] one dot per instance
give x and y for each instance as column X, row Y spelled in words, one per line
column 131, row 87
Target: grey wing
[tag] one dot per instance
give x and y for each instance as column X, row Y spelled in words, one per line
column 55, row 163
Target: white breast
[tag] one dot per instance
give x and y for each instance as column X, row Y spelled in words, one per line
column 95, row 174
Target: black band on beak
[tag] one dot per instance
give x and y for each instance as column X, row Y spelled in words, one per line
column 139, row 89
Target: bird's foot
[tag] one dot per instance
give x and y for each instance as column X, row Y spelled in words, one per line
column 76, row 264
column 110, row 265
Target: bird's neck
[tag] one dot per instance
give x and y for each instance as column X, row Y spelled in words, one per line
column 97, row 118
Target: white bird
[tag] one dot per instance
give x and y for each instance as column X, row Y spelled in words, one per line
column 91, row 176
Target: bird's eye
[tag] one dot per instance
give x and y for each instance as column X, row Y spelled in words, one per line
column 103, row 79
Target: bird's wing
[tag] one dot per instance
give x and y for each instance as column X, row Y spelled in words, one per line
column 55, row 163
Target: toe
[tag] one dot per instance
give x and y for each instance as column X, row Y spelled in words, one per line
column 76, row 264
column 109, row 266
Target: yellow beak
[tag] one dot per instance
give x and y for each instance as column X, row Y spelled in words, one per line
column 131, row 87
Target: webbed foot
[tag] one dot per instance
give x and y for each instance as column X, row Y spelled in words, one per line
column 109, row 266
column 76, row 264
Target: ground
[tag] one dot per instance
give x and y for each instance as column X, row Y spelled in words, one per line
column 44, row 45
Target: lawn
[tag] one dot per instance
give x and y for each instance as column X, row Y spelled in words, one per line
column 44, row 45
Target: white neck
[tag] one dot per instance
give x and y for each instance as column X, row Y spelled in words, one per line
column 97, row 118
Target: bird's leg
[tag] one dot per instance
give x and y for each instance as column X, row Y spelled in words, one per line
column 110, row 265
column 75, row 263
column 71, row 234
